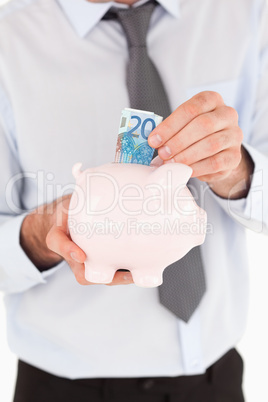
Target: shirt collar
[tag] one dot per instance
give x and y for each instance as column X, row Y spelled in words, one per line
column 84, row 15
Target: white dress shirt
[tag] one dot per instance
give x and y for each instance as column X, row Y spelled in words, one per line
column 62, row 89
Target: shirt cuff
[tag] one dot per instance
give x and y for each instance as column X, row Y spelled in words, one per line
column 17, row 272
column 250, row 211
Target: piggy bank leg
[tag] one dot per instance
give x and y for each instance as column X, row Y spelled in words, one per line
column 98, row 273
column 147, row 279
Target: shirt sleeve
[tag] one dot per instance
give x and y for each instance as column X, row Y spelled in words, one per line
column 252, row 211
column 17, row 272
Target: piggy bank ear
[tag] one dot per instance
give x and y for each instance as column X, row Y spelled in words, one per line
column 157, row 161
column 76, row 170
column 180, row 173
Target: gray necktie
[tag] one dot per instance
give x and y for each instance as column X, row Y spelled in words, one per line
column 183, row 281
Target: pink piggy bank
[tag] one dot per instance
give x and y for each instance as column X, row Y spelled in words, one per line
column 135, row 217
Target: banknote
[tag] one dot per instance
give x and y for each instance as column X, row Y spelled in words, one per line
column 132, row 142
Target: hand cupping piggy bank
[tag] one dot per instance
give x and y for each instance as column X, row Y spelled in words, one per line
column 134, row 217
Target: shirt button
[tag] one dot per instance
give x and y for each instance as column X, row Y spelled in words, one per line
column 195, row 363
column 148, row 384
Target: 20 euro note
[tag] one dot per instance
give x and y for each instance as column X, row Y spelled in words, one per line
column 132, row 142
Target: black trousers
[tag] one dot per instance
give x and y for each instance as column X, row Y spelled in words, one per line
column 222, row 382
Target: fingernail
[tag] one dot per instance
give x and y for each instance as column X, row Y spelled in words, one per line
column 155, row 140
column 164, row 152
column 74, row 257
column 127, row 277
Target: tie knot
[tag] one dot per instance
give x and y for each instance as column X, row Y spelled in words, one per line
column 135, row 22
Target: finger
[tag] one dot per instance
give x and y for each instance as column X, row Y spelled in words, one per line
column 201, row 127
column 208, row 146
column 201, row 103
column 223, row 161
column 121, row 278
column 215, row 177
column 60, row 243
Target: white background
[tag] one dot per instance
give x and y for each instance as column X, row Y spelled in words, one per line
column 253, row 347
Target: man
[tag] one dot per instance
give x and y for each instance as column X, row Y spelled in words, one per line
column 62, row 87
